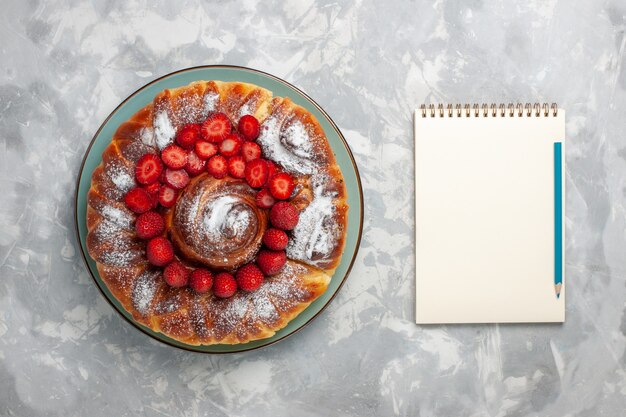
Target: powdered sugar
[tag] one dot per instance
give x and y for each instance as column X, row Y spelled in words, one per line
column 120, row 177
column 210, row 102
column 144, row 290
column 247, row 108
column 163, row 130
column 121, row 257
column 315, row 234
column 117, row 216
column 289, row 146
column 147, row 137
column 221, row 220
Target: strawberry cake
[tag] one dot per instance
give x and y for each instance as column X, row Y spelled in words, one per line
column 218, row 213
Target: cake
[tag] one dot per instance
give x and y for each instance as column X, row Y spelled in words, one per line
column 218, row 213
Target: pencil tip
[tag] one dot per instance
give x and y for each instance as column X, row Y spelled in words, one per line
column 558, row 295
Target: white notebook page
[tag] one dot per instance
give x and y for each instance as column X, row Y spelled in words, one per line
column 485, row 219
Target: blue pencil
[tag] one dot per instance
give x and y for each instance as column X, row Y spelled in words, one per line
column 558, row 220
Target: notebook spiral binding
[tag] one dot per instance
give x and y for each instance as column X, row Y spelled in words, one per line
column 490, row 110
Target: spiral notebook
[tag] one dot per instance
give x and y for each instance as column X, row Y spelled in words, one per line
column 489, row 195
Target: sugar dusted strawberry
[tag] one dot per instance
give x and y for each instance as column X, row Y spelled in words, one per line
column 176, row 274
column 138, row 200
column 195, row 165
column 256, row 173
column 153, row 190
column 188, row 135
column 224, row 285
column 236, row 167
column 284, row 215
column 176, row 178
column 230, row 146
column 249, row 277
column 271, row 262
column 174, row 156
column 216, row 127
column 149, row 224
column 217, row 166
column 275, row 239
column 167, row 196
column 264, row 199
column 249, row 127
column 205, row 149
column 159, row 251
column 250, row 151
column 201, row 280
column 148, row 169
column 281, row 185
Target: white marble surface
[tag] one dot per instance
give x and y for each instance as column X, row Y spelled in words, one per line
column 64, row 65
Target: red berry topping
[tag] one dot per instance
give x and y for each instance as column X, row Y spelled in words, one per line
column 174, row 157
column 159, row 251
column 249, row 277
column 250, row 151
column 284, row 215
column 281, row 185
column 230, row 146
column 217, row 166
column 167, row 196
column 138, row 200
column 205, row 149
column 195, row 165
column 271, row 262
column 256, row 173
column 201, row 280
column 188, row 135
column 148, row 169
column 153, row 190
column 176, row 274
column 275, row 239
column 149, row 225
column 176, row 178
column 249, row 127
column 216, row 127
column 272, row 169
column 264, row 199
column 236, row 167
column 224, row 285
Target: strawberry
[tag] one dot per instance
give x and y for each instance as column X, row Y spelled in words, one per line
column 281, row 186
column 217, row 166
column 256, row 173
column 205, row 149
column 176, row 178
column 167, row 196
column 174, row 156
column 249, row 127
column 148, row 169
column 216, row 127
column 194, row 165
column 138, row 200
column 153, row 190
column 224, row 285
column 149, row 224
column 272, row 168
column 264, row 199
column 230, row 146
column 236, row 167
column 201, row 280
column 188, row 135
column 270, row 261
column 275, row 239
column 284, row 215
column 249, row 277
column 159, row 251
column 176, row 274
column 250, row 151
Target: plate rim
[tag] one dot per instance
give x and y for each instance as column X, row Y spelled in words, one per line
column 186, row 347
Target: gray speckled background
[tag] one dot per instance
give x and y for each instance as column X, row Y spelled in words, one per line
column 64, row 65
